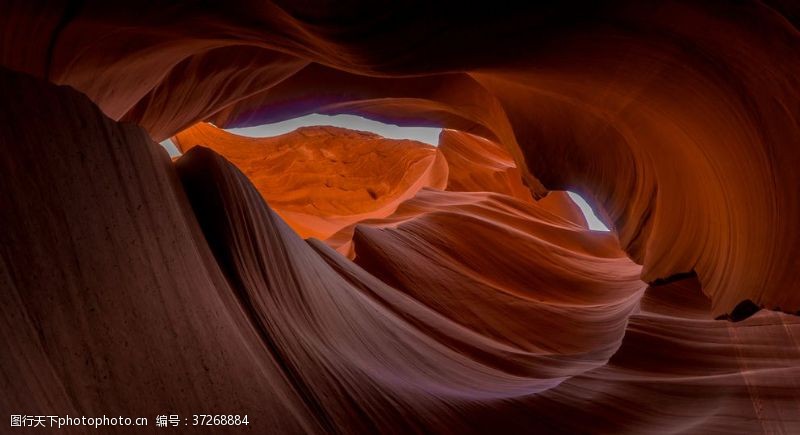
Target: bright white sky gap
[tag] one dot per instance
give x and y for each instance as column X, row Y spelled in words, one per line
column 591, row 218
column 429, row 135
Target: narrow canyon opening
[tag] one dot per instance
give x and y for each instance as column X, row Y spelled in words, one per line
column 426, row 135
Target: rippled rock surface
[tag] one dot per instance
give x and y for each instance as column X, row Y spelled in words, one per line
column 330, row 280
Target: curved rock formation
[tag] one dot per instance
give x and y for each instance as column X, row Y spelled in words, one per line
column 113, row 303
column 474, row 298
column 477, row 164
column 678, row 119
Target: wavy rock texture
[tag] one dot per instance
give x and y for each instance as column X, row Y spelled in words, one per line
column 112, row 301
column 474, row 298
column 477, row 164
column 678, row 119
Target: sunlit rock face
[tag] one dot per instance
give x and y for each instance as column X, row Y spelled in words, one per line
column 321, row 179
column 331, row 280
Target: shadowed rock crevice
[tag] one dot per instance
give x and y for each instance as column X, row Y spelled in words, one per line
column 743, row 310
column 677, row 277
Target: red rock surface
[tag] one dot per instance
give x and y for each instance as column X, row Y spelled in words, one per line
column 474, row 299
column 112, row 301
column 477, row 164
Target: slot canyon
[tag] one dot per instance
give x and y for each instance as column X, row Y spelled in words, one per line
column 333, row 280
